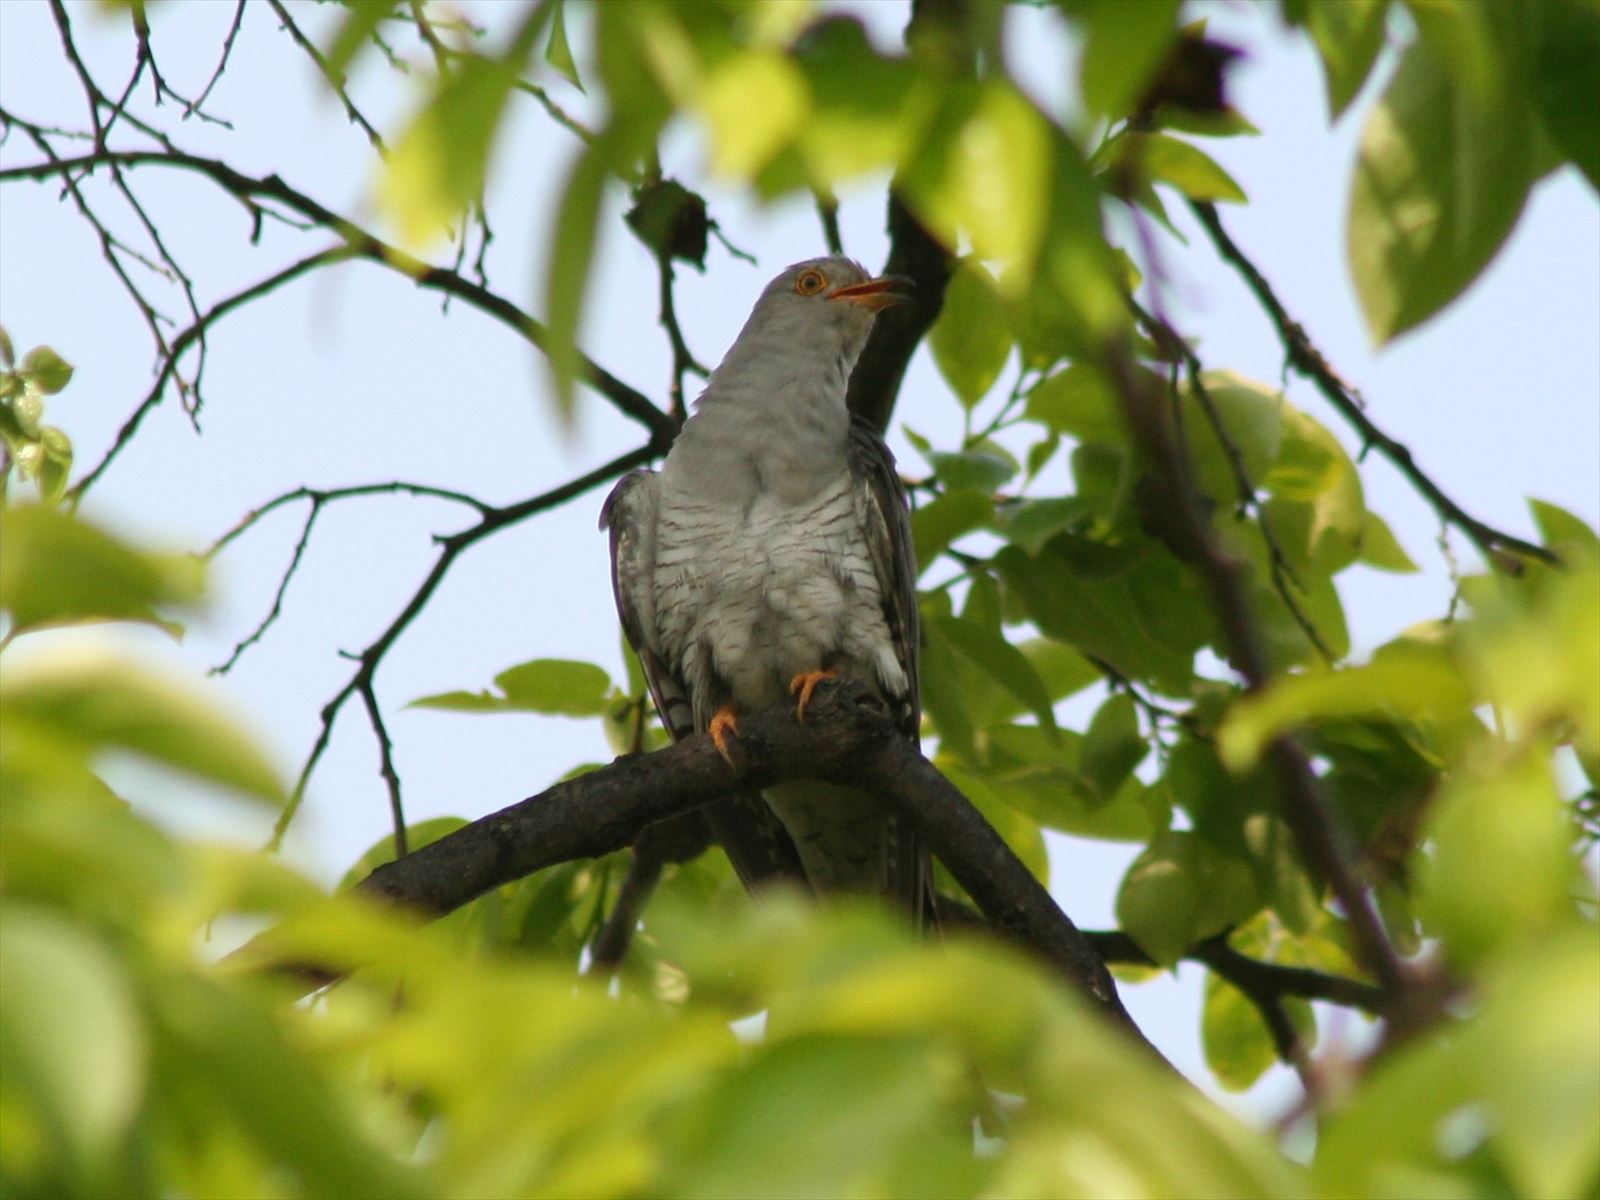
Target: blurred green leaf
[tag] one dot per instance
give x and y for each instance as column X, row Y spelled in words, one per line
column 1123, row 46
column 1413, row 680
column 557, row 52
column 1238, row 1048
column 988, row 650
column 437, row 167
column 1163, row 159
column 1444, row 170
column 558, row 686
column 984, row 467
column 971, row 340
column 755, row 103
column 355, row 31
column 566, row 286
column 1563, row 532
column 1501, row 867
column 1113, row 746
column 46, row 370
column 72, row 1040
column 1566, row 47
column 945, row 518
column 1080, row 402
column 86, row 701
column 418, row 835
column 1179, row 891
column 1348, row 36
column 57, row 569
column 1381, row 549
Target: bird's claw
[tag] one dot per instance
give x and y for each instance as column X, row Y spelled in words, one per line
column 724, row 726
column 803, row 685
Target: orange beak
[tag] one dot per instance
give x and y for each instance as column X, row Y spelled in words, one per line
column 875, row 294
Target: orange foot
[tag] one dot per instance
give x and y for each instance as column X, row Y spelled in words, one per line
column 724, row 725
column 803, row 685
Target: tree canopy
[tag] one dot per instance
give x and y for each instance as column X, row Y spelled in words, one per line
column 1135, row 564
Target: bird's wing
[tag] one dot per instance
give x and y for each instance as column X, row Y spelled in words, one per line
column 887, row 528
column 755, row 841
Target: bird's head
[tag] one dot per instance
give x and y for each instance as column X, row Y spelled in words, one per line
column 823, row 306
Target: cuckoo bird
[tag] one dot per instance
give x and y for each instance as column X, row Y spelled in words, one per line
column 771, row 551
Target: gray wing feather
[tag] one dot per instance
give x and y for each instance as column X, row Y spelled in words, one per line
column 893, row 555
column 755, row 841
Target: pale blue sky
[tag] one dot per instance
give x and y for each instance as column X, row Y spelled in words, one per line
column 352, row 377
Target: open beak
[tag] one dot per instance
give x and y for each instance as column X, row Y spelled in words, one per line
column 875, row 294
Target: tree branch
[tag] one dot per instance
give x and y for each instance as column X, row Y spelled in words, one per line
column 451, row 547
column 1317, row 838
column 1309, row 362
column 358, row 243
column 847, row 735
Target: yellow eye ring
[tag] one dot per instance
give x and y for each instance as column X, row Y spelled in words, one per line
column 810, row 283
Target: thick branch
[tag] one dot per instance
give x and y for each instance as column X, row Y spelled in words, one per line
column 1308, row 361
column 847, row 736
column 915, row 254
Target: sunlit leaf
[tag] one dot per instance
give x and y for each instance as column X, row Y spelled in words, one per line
column 1163, row 159
column 755, row 103
column 45, row 370
column 1442, row 177
column 1238, row 1048
column 1113, row 746
column 87, row 701
column 971, row 340
column 57, row 569
column 72, row 1037
column 1348, row 36
column 1002, row 662
column 1180, row 891
column 1381, row 549
column 945, row 518
column 557, row 52
column 566, row 286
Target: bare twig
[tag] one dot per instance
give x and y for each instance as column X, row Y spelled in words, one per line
column 391, row 777
column 451, row 547
column 683, row 361
column 358, row 243
column 1308, row 361
column 222, row 62
column 335, row 82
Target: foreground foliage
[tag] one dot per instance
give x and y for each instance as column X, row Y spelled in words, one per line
column 793, row 1049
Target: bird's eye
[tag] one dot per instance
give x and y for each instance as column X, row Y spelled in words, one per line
column 810, row 283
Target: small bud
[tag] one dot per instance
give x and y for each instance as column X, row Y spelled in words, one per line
column 46, row 370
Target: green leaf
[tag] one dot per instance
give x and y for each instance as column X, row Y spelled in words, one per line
column 1181, row 890
column 418, row 835
column 1501, row 868
column 1079, row 402
column 986, row 467
column 1123, row 46
column 1252, row 416
column 566, row 286
column 1566, row 49
column 46, row 370
column 938, row 523
column 971, row 340
column 557, row 52
column 437, row 168
column 559, row 686
column 1237, row 1045
column 1113, row 746
column 57, row 569
column 755, row 103
column 1411, row 680
column 1443, row 173
column 1163, row 159
column 986, row 171
column 1348, row 36
column 1381, row 549
column 361, row 22
column 1563, row 532
column 87, row 701
column 72, row 1041
column 56, row 465
column 988, row 650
